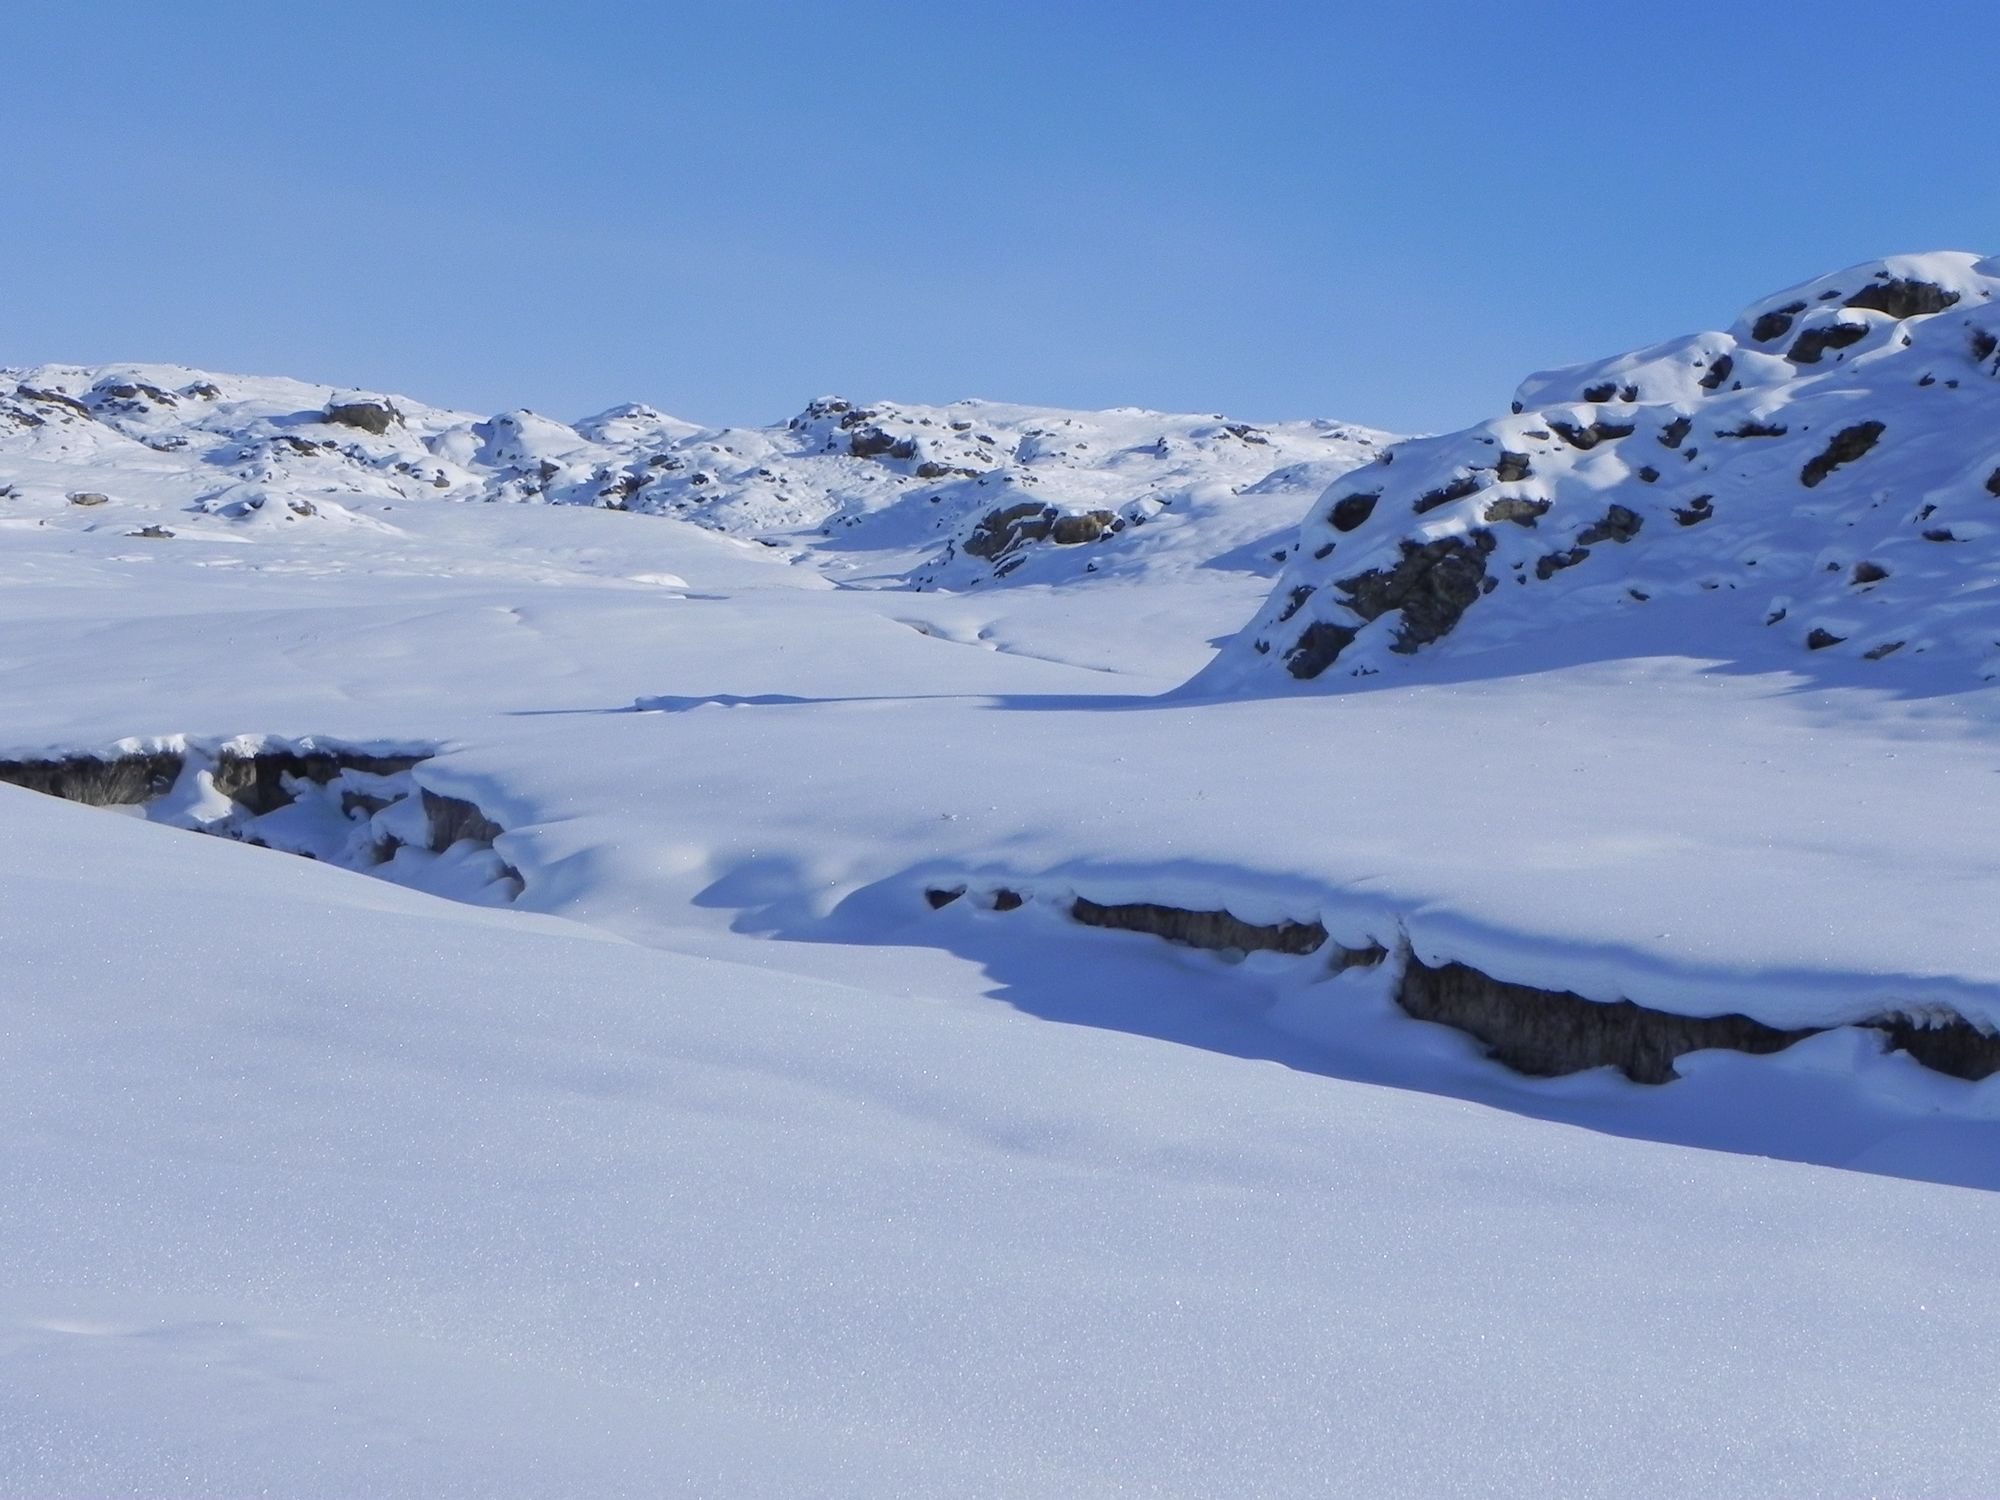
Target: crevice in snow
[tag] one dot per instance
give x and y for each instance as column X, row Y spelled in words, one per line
column 357, row 807
column 1535, row 1031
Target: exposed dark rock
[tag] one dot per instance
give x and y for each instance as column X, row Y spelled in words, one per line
column 1520, row 512
column 1983, row 344
column 1868, row 572
column 1345, row 958
column 1821, row 638
column 1000, row 530
column 52, row 398
column 1674, row 431
column 1751, row 430
column 1512, row 468
column 1948, row 1045
column 88, row 497
column 1319, row 645
column 873, row 442
column 1351, row 510
column 452, row 819
column 368, row 416
column 1814, row 342
column 1006, row 900
column 1848, row 444
column 257, row 781
column 1547, row 567
column 1776, row 323
column 1540, row 1032
column 1887, row 648
column 1902, row 297
column 153, row 533
column 1456, row 489
column 1551, row 1032
column 96, row 781
column 1648, row 474
column 1618, row 525
column 1695, row 511
column 1433, row 584
column 1585, row 438
column 1295, row 601
column 1993, row 483
column 1069, row 531
column 1719, row 371
column 939, row 897
column 1201, row 929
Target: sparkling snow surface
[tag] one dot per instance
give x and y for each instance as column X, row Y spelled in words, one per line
column 721, row 1164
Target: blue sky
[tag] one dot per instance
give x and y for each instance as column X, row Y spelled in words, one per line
column 1386, row 214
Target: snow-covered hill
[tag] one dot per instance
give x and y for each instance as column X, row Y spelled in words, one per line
column 951, row 495
column 1817, row 482
column 884, row 1038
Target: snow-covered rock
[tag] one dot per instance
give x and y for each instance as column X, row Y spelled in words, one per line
column 1820, row 477
column 938, row 496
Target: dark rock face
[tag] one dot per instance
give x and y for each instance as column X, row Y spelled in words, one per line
column 1543, row 1033
column 1618, row 525
column 1070, row 531
column 1445, row 494
column 1718, row 372
column 368, row 416
column 1901, row 297
column 1350, row 511
column 1433, row 584
column 1520, row 512
column 1848, row 444
column 1814, row 342
column 255, row 782
column 1695, row 511
column 1512, row 468
column 122, row 781
column 873, row 442
column 1201, row 929
column 1776, row 323
column 1952, row 1045
column 1001, row 530
column 1318, row 647
column 452, row 819
column 1586, row 438
column 1551, row 1032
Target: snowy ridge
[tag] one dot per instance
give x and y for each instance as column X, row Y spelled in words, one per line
column 941, row 495
column 1821, row 477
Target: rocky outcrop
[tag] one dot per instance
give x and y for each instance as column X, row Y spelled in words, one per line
column 1201, row 929
column 1749, row 469
column 1551, row 1032
column 374, row 417
column 371, row 790
column 1540, row 1032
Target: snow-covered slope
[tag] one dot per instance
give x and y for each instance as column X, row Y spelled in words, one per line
column 813, row 1105
column 952, row 495
column 1815, row 484
column 315, row 1187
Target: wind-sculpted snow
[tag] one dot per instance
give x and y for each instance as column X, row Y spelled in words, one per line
column 941, row 495
column 1821, row 481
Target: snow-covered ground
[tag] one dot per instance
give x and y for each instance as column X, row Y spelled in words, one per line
column 723, row 1160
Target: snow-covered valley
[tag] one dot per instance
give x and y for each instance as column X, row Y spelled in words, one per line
column 770, row 1109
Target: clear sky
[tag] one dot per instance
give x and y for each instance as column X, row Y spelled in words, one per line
column 1384, row 213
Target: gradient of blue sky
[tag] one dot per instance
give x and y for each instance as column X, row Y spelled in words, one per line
column 1382, row 213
